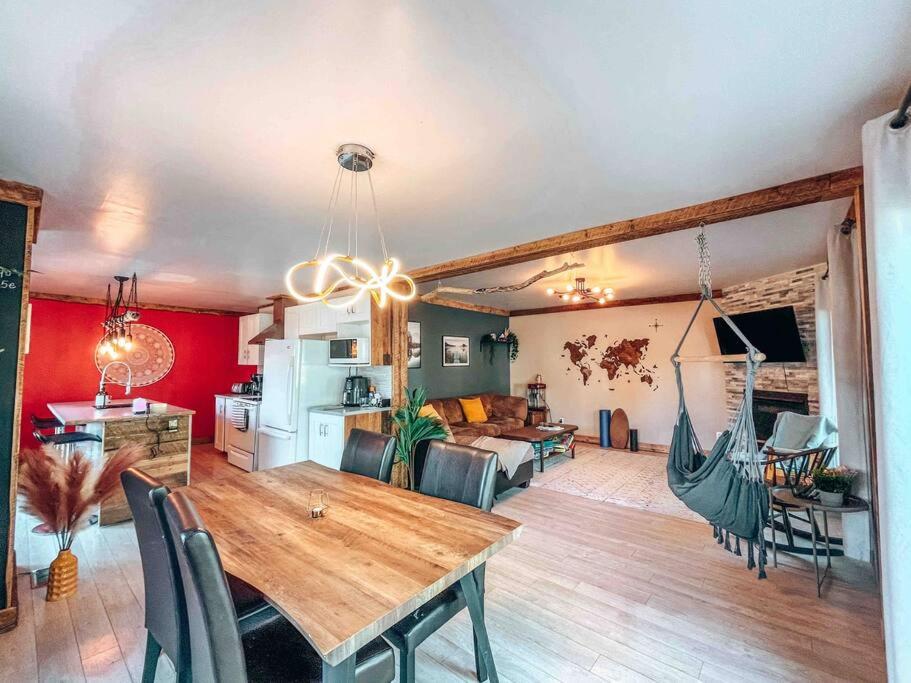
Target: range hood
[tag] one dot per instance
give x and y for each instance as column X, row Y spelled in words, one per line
column 277, row 329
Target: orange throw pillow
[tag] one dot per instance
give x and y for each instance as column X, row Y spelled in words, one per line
column 473, row 409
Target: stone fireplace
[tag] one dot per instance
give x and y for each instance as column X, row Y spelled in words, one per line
column 767, row 405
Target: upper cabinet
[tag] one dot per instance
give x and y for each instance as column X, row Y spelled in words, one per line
column 249, row 327
column 361, row 318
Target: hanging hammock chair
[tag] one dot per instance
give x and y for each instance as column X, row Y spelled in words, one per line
column 726, row 486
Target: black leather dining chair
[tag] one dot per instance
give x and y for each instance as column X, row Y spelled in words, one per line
column 219, row 650
column 165, row 614
column 465, row 475
column 369, row 454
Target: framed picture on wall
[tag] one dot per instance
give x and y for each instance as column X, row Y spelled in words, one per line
column 414, row 344
column 456, row 352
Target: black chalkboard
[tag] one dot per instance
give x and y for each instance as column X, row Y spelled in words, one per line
column 13, row 225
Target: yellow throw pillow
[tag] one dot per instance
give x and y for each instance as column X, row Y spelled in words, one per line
column 429, row 411
column 473, row 409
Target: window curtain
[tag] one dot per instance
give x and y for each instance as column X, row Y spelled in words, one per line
column 825, row 363
column 846, row 373
column 887, row 190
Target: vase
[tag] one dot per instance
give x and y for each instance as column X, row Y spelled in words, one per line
column 832, row 500
column 63, row 576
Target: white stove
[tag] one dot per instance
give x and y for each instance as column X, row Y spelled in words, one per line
column 241, row 428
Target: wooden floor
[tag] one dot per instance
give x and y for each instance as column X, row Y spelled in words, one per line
column 591, row 592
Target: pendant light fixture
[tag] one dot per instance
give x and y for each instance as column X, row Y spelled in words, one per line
column 335, row 270
column 577, row 292
column 120, row 312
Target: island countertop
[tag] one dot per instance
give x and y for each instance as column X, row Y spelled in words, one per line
column 85, row 412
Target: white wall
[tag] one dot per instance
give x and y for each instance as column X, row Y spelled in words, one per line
column 652, row 411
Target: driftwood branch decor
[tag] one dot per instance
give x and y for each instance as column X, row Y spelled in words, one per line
column 430, row 296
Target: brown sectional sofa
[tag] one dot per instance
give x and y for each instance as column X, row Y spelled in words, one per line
column 504, row 414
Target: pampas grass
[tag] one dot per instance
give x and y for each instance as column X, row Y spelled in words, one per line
column 61, row 492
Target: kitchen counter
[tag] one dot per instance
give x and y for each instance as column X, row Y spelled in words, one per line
column 246, row 396
column 164, row 439
column 84, row 412
column 348, row 410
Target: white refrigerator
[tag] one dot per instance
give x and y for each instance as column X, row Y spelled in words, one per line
column 296, row 377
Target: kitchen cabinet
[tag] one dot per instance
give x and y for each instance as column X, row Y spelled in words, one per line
column 327, row 439
column 363, row 318
column 329, row 431
column 222, row 411
column 250, row 326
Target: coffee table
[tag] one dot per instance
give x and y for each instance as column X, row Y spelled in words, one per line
column 533, row 435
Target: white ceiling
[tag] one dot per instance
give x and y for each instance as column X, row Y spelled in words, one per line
column 741, row 250
column 193, row 142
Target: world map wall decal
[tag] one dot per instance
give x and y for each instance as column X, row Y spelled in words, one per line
column 624, row 358
column 150, row 359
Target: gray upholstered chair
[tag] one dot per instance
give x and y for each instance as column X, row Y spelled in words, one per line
column 465, row 475
column 165, row 616
column 218, row 649
column 369, row 454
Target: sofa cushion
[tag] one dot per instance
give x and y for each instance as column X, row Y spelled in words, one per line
column 473, row 410
column 479, row 428
column 449, row 408
column 506, row 424
column 509, row 406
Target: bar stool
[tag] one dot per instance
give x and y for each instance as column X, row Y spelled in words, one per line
column 45, row 423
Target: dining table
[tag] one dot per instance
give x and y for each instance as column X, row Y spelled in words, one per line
column 376, row 554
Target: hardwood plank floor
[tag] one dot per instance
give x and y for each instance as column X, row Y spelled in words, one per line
column 591, row 592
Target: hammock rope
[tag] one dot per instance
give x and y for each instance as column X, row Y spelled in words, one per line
column 726, row 486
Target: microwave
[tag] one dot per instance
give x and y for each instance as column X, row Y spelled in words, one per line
column 349, row 351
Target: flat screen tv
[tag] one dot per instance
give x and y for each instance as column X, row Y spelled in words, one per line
column 772, row 331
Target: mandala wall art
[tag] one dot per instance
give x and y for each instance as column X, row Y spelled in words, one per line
column 150, row 358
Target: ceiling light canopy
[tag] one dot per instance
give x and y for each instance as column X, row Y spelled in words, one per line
column 578, row 292
column 337, row 270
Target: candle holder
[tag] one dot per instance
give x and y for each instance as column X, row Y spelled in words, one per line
column 318, row 503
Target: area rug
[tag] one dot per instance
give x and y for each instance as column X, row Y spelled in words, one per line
column 636, row 480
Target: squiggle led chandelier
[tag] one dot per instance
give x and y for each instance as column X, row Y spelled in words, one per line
column 333, row 272
column 119, row 315
column 579, row 292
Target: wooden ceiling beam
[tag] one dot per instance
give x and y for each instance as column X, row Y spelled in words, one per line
column 821, row 188
column 643, row 301
column 464, row 305
column 143, row 305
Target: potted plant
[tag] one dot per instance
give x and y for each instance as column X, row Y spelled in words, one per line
column 411, row 429
column 61, row 493
column 832, row 483
column 505, row 337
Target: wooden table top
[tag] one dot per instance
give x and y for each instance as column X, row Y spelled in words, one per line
column 532, row 433
column 343, row 579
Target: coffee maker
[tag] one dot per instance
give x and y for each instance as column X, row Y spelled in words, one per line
column 256, row 383
column 357, row 389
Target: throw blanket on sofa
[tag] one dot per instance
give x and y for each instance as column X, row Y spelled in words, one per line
column 511, row 454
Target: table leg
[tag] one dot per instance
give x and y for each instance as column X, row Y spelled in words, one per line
column 343, row 672
column 815, row 556
column 825, row 530
column 476, row 611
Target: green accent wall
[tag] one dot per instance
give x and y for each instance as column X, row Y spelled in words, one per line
column 13, row 223
column 481, row 375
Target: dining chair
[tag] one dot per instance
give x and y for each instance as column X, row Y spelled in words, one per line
column 219, row 650
column 165, row 615
column 465, row 475
column 369, row 454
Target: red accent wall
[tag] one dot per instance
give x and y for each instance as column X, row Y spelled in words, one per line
column 60, row 364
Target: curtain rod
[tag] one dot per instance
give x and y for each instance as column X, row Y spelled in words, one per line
column 900, row 119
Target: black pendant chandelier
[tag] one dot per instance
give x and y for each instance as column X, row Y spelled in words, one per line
column 120, row 312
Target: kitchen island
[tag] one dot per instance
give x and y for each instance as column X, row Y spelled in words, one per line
column 163, row 436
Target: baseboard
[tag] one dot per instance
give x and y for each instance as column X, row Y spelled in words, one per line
column 9, row 616
column 647, row 447
column 200, row 440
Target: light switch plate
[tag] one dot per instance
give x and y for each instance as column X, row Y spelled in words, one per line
column 172, row 424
